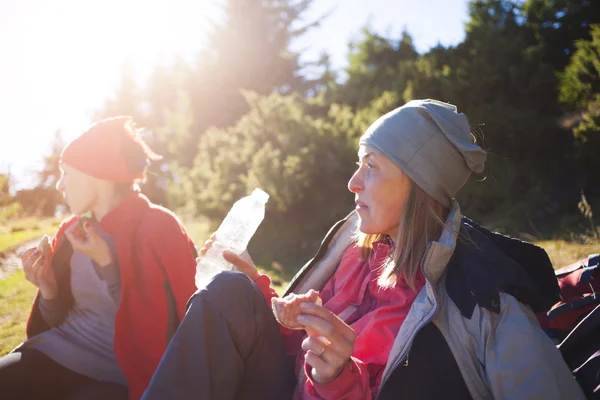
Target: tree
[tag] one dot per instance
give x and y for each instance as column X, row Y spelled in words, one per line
column 50, row 173
column 43, row 199
column 5, row 196
column 580, row 89
column 127, row 99
column 249, row 51
column 559, row 24
column 9, row 208
column 376, row 64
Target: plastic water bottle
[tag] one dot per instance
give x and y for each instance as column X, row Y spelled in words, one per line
column 233, row 234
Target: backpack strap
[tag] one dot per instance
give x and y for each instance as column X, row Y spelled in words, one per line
column 590, row 268
column 574, row 305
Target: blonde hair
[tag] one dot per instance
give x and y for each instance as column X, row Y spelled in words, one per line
column 421, row 222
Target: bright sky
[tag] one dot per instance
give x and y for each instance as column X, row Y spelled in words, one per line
column 62, row 58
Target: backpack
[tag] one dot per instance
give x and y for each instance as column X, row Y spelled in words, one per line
column 574, row 322
column 580, row 293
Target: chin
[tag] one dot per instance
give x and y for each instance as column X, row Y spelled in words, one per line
column 364, row 227
column 76, row 210
column 372, row 229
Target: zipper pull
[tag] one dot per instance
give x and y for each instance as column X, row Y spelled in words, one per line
column 406, row 361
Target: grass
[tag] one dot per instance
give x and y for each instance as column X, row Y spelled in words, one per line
column 563, row 252
column 14, row 233
column 16, row 294
column 16, row 297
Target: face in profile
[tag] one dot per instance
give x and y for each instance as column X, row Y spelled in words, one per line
column 381, row 190
column 79, row 190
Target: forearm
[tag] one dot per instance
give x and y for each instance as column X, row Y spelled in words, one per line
column 52, row 311
column 111, row 274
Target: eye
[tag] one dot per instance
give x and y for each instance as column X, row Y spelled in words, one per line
column 369, row 164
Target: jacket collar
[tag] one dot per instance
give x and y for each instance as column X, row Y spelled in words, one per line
column 316, row 272
column 440, row 251
column 126, row 214
column 121, row 223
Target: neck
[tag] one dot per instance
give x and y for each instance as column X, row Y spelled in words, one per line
column 107, row 202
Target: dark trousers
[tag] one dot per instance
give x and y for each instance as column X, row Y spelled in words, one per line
column 29, row 374
column 228, row 347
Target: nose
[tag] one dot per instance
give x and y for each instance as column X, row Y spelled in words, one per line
column 355, row 184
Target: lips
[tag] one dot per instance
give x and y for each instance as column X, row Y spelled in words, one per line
column 360, row 205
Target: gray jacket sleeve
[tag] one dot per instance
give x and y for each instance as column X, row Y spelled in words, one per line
column 52, row 311
column 111, row 274
column 521, row 362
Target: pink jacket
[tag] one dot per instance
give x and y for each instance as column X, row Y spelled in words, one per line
column 375, row 313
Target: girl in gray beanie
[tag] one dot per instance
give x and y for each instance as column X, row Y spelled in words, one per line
column 416, row 302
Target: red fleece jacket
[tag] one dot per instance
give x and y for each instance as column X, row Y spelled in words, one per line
column 157, row 262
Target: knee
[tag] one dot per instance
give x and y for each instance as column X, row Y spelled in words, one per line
column 226, row 287
column 227, row 281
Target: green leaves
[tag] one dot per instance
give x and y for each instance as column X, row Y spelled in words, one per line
column 580, row 89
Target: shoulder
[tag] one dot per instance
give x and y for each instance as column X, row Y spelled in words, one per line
column 485, row 265
column 160, row 223
column 161, row 219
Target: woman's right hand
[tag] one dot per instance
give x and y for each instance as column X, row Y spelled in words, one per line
column 242, row 263
column 38, row 270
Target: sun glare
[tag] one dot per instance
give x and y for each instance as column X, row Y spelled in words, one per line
column 71, row 54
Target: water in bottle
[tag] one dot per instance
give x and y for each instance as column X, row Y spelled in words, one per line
column 233, row 234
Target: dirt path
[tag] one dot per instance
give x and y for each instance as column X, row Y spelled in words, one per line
column 9, row 261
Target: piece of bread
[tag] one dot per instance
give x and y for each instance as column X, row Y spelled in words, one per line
column 287, row 309
column 86, row 216
column 44, row 245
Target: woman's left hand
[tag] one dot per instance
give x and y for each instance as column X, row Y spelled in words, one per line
column 89, row 242
column 329, row 344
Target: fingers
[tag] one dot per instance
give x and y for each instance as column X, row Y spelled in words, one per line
column 321, row 369
column 327, row 363
column 329, row 344
column 31, row 267
column 27, row 253
column 33, row 259
column 236, row 260
column 239, row 264
column 91, row 229
column 39, row 268
column 76, row 236
column 246, row 257
column 318, row 345
column 325, row 322
column 338, row 342
column 207, row 245
column 72, row 238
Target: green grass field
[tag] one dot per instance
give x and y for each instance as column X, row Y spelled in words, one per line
column 16, row 296
column 14, row 233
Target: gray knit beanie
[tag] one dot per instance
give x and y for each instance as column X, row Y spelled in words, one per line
column 431, row 143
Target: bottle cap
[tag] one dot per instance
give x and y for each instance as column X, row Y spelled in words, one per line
column 260, row 195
